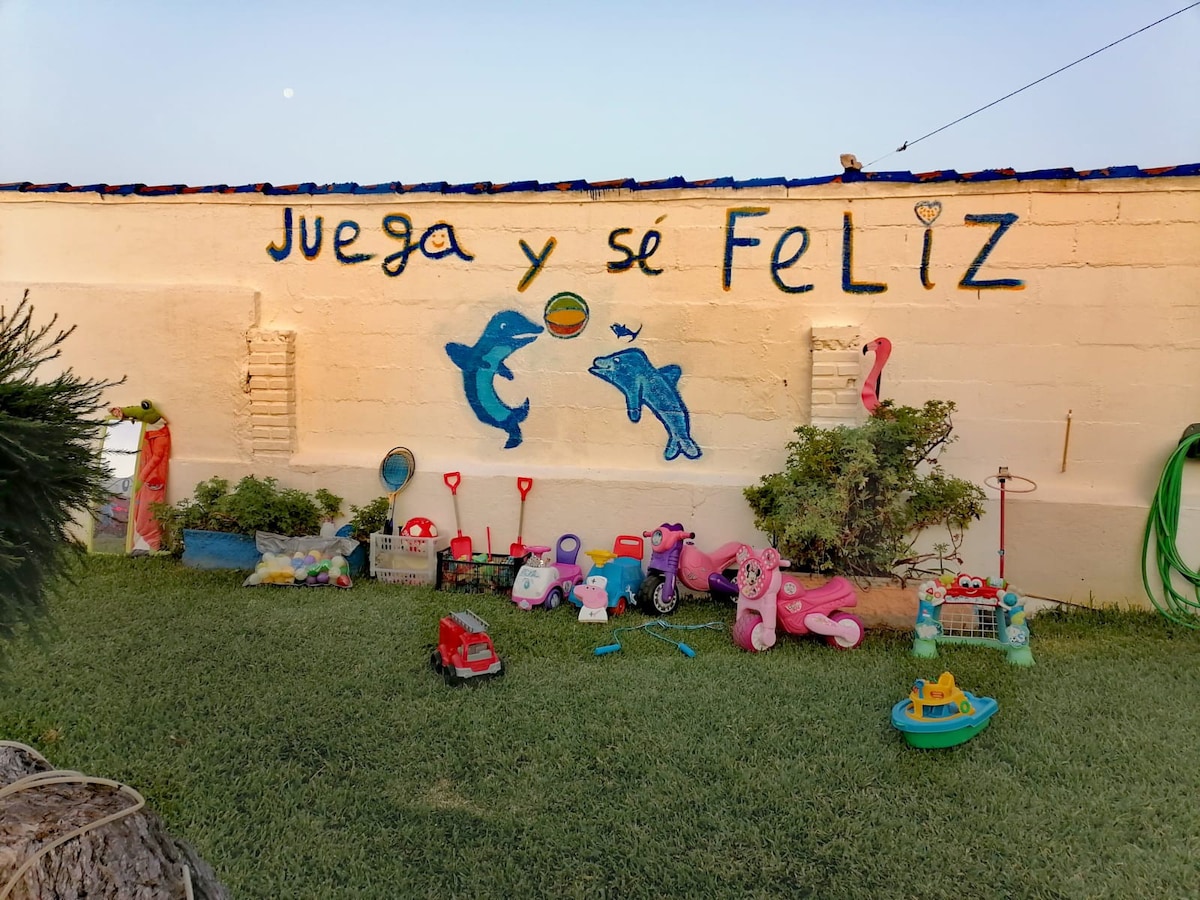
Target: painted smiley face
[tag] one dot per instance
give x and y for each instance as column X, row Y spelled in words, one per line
column 436, row 238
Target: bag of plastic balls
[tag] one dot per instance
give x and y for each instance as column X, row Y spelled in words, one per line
column 302, row 561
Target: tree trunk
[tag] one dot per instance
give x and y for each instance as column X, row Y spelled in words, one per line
column 131, row 858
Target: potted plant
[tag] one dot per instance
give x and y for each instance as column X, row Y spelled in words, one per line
column 857, row 501
column 215, row 528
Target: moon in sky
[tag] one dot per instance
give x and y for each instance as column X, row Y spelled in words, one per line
column 288, row 93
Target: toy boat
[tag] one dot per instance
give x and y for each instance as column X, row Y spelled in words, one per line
column 939, row 714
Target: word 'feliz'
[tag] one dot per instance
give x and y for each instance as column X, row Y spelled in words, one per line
column 440, row 240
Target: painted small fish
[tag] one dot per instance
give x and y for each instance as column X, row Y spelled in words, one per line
column 632, row 373
column 621, row 331
column 506, row 333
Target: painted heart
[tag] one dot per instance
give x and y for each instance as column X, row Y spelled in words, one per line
column 928, row 211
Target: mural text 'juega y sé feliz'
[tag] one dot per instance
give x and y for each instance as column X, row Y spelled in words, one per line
column 439, row 240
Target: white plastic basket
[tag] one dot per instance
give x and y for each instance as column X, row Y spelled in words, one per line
column 399, row 559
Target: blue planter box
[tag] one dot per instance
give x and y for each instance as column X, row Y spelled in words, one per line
column 358, row 561
column 219, row 550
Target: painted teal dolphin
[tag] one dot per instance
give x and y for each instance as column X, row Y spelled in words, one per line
column 631, row 372
column 506, row 332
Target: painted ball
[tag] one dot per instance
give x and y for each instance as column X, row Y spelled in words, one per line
column 322, row 578
column 566, row 315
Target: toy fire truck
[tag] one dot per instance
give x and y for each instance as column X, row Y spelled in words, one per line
column 464, row 649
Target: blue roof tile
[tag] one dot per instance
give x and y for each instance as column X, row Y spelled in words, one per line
column 677, row 182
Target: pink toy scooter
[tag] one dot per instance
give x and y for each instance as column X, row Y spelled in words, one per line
column 678, row 566
column 768, row 596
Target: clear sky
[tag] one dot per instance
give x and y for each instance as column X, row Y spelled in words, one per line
column 193, row 91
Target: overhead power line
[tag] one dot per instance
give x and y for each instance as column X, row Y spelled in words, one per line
column 908, row 144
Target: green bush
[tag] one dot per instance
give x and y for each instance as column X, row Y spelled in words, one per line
column 329, row 504
column 366, row 520
column 49, row 464
column 855, row 500
column 255, row 504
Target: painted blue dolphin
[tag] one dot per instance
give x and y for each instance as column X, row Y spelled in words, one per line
column 507, row 332
column 631, row 372
column 622, row 331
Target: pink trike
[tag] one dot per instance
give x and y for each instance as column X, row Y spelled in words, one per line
column 769, row 597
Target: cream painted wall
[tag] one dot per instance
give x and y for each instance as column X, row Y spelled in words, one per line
column 167, row 290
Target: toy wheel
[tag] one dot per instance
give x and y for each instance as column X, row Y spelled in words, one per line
column 840, row 642
column 645, row 592
column 552, row 600
column 660, row 605
column 744, row 632
column 619, row 609
column 435, row 662
column 448, row 675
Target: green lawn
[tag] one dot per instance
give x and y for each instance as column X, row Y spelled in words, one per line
column 299, row 740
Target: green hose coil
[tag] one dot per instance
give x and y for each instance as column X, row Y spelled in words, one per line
column 1163, row 524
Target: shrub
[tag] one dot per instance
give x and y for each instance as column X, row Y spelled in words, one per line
column 49, row 462
column 855, row 500
column 255, row 504
column 329, row 504
column 366, row 520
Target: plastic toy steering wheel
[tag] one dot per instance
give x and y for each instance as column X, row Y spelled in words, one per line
column 601, row 558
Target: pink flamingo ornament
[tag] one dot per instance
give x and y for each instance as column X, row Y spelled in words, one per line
column 871, row 385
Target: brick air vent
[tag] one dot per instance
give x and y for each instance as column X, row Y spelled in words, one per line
column 836, row 371
column 271, row 384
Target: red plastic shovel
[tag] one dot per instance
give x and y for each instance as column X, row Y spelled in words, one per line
column 460, row 546
column 517, row 550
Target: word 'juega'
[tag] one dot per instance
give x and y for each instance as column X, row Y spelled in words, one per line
column 440, row 240
column 436, row 242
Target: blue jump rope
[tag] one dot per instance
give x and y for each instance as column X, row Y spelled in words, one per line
column 649, row 627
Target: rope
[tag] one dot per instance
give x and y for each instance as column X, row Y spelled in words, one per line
column 61, row 776
column 648, row 628
column 1163, row 523
column 908, row 144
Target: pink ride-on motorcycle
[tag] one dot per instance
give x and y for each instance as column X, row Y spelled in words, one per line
column 678, row 566
column 768, row 597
